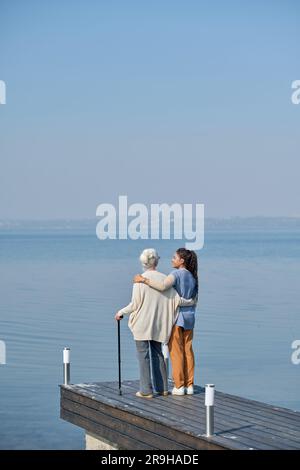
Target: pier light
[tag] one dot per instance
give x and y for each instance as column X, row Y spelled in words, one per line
column 209, row 404
column 66, row 365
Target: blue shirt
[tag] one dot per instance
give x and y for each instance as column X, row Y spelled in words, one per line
column 185, row 285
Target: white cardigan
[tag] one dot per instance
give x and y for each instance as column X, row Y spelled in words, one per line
column 153, row 313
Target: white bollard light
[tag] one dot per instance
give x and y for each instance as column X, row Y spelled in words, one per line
column 209, row 404
column 66, row 363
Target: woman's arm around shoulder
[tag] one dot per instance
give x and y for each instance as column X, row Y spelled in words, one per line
column 166, row 284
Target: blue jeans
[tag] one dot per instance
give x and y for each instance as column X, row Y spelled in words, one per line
column 150, row 356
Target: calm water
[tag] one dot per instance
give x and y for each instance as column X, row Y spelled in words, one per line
column 62, row 289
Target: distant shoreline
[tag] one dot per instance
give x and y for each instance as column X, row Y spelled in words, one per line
column 88, row 225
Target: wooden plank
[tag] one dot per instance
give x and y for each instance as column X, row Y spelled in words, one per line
column 264, row 413
column 261, row 420
column 266, row 406
column 192, row 411
column 173, row 407
column 156, row 441
column 293, row 417
column 123, row 441
column 129, row 415
column 243, row 414
column 217, row 439
column 155, row 426
column 185, row 416
column 138, row 406
column 165, row 405
column 220, row 440
column 257, row 414
column 289, row 437
column 278, row 440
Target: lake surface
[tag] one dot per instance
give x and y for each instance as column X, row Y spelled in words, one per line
column 62, row 287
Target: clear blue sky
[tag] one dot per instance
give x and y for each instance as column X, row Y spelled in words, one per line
column 164, row 101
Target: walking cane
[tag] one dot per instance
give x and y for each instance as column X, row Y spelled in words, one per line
column 119, row 356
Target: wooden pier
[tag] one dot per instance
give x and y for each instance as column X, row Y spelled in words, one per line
column 114, row 421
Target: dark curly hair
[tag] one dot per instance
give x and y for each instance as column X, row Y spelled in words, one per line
column 190, row 263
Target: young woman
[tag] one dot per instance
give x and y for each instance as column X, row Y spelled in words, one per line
column 184, row 278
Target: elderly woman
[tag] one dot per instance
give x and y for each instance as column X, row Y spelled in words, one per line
column 152, row 316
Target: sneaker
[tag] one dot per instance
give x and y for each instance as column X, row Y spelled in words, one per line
column 190, row 390
column 164, row 394
column 178, row 391
column 142, row 395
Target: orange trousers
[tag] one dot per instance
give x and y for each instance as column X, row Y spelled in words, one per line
column 182, row 356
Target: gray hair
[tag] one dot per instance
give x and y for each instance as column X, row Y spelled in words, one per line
column 149, row 258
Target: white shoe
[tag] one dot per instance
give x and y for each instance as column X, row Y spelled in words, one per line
column 178, row 391
column 190, row 390
column 142, row 395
